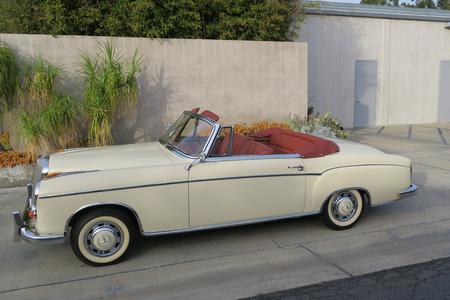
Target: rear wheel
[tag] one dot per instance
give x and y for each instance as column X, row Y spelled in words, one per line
column 343, row 209
column 102, row 237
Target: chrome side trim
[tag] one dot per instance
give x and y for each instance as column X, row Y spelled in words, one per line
column 22, row 233
column 251, row 157
column 232, row 224
column 252, row 176
column 363, row 165
column 409, row 191
column 99, row 204
column 112, row 189
column 175, row 182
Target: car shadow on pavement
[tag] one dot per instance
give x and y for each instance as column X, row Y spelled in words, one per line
column 229, row 239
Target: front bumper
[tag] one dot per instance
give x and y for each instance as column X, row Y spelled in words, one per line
column 21, row 232
column 409, row 191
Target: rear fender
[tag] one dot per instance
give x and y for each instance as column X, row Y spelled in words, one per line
column 382, row 183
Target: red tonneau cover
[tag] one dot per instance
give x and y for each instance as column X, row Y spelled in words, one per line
column 287, row 142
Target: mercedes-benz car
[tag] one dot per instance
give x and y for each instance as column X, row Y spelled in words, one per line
column 202, row 175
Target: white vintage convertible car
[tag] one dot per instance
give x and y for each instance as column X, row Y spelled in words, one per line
column 201, row 175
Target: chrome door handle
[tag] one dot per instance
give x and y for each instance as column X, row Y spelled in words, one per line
column 299, row 167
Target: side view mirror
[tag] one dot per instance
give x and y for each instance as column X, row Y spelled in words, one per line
column 199, row 160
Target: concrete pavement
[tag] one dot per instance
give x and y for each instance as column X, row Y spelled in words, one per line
column 246, row 261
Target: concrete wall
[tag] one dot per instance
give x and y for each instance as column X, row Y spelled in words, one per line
column 242, row 81
column 408, row 55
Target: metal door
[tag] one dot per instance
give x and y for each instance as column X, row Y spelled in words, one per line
column 365, row 93
column 444, row 92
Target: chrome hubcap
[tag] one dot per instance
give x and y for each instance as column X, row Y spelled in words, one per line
column 344, row 206
column 103, row 239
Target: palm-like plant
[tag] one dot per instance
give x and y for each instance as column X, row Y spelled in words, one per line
column 111, row 91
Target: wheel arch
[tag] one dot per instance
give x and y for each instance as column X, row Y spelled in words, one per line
column 75, row 216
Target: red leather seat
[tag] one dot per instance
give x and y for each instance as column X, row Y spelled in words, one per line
column 289, row 142
column 243, row 145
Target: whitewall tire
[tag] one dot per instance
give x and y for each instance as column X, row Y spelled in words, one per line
column 102, row 237
column 343, row 209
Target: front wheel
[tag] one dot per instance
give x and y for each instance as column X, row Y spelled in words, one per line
column 102, row 237
column 343, row 209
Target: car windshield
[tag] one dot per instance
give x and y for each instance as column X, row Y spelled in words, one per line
column 189, row 134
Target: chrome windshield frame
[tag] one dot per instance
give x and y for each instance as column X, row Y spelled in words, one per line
column 209, row 142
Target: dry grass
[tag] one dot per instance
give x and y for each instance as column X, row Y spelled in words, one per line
column 245, row 129
column 10, row 159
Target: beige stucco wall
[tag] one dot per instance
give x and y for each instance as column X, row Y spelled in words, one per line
column 242, row 81
column 408, row 54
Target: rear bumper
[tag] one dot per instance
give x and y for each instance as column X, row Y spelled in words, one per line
column 21, row 232
column 409, row 191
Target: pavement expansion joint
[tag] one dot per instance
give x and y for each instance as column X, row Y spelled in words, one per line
column 327, row 261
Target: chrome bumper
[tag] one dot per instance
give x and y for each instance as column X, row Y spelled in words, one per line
column 409, row 191
column 22, row 233
column 22, row 230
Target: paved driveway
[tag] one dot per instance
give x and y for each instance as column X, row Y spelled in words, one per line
column 250, row 260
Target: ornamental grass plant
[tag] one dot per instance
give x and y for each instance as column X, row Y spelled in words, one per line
column 46, row 119
column 111, row 91
column 9, row 77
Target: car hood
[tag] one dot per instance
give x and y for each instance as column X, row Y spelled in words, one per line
column 109, row 158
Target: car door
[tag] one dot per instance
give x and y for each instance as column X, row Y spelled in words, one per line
column 235, row 189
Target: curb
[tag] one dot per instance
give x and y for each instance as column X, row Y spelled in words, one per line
column 16, row 177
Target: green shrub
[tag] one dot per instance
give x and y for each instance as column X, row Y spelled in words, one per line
column 317, row 124
column 206, row 19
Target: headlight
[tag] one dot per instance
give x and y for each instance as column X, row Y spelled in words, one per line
column 37, row 187
column 40, row 171
column 41, row 168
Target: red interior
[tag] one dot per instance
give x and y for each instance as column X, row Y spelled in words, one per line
column 273, row 141
column 210, row 114
column 276, row 141
column 243, row 145
column 287, row 142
